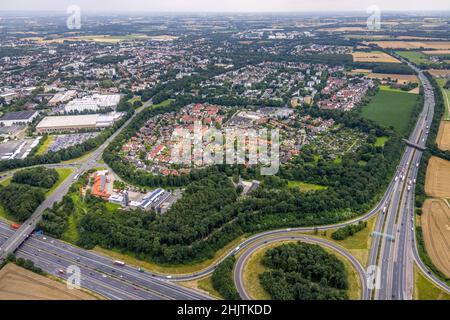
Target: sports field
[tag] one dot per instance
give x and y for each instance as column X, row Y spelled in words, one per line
column 391, row 109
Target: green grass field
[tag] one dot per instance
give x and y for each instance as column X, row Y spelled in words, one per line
column 71, row 234
column 4, row 215
column 63, row 174
column 305, row 187
column 381, row 141
column 391, row 109
column 44, row 147
column 6, row 182
column 133, row 100
column 165, row 103
column 414, row 56
column 426, row 290
column 446, row 96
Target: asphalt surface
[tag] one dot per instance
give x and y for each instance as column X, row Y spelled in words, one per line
column 394, row 258
column 98, row 272
column 394, row 247
column 91, row 161
column 260, row 243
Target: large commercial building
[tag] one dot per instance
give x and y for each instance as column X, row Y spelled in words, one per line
column 59, row 124
column 62, row 97
column 94, row 103
column 16, row 118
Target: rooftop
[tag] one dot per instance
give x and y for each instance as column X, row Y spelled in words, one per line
column 19, row 115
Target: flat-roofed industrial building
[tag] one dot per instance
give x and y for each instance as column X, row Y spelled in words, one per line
column 19, row 117
column 56, row 124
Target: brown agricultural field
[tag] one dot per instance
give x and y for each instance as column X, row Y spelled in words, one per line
column 443, row 138
column 438, row 45
column 436, row 233
column 373, row 57
column 437, row 182
column 401, row 78
column 440, row 73
column 17, row 283
column 434, row 52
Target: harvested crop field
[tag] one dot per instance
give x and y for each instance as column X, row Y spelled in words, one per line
column 438, row 45
column 437, row 182
column 443, row 138
column 374, row 56
column 436, row 233
column 401, row 78
column 17, row 283
column 440, row 73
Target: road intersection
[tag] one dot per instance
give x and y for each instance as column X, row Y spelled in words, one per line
column 393, row 250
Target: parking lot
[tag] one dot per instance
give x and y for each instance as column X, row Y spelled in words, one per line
column 16, row 149
column 65, row 141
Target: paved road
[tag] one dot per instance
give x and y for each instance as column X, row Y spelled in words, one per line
column 395, row 251
column 261, row 243
column 391, row 200
column 99, row 274
column 91, row 161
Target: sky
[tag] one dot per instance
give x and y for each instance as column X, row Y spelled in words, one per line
column 224, row 5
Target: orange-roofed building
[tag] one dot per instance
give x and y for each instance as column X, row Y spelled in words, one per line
column 99, row 186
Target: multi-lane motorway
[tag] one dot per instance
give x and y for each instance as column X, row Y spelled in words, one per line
column 98, row 273
column 393, row 249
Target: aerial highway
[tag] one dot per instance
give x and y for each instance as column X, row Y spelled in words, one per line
column 260, row 243
column 89, row 162
column 98, row 273
column 393, row 247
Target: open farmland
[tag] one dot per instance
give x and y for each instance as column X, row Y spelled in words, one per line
column 443, row 138
column 400, row 78
column 415, row 57
column 446, row 96
column 437, row 182
column 436, row 232
column 374, row 56
column 391, row 109
column 436, row 52
column 438, row 45
column 17, row 283
column 439, row 73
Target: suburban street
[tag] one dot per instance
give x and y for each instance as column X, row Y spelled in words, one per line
column 393, row 247
column 98, row 272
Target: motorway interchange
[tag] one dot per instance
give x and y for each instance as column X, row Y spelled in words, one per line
column 391, row 258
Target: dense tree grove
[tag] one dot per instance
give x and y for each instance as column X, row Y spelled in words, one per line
column 20, row 201
column 24, row 263
column 181, row 234
column 351, row 189
column 222, row 279
column 348, row 231
column 54, row 220
column 37, row 177
column 301, row 271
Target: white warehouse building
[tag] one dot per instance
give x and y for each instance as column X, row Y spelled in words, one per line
column 94, row 103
